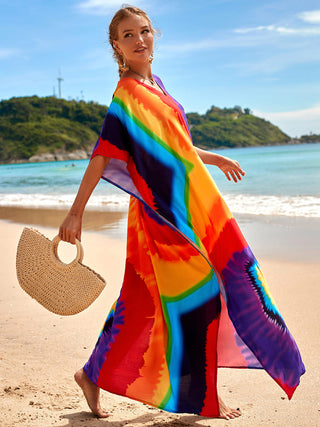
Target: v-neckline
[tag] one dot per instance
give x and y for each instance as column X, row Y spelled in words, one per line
column 162, row 92
column 165, row 97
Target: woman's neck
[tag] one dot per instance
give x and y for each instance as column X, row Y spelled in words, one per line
column 143, row 71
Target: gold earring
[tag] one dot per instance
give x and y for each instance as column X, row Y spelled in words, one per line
column 151, row 58
column 123, row 67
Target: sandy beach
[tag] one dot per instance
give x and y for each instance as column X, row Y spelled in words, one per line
column 40, row 351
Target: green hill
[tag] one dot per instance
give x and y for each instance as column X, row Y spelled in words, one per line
column 233, row 127
column 32, row 126
column 311, row 138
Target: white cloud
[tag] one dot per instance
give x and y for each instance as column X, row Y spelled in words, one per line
column 251, row 29
column 215, row 42
column 295, row 123
column 312, row 16
column 103, row 7
column 244, row 37
column 8, row 53
column 280, row 30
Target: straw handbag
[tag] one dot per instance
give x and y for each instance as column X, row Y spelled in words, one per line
column 64, row 289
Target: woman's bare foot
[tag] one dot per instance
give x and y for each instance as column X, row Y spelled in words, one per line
column 226, row 412
column 91, row 393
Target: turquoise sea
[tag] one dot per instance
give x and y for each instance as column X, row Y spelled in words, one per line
column 280, row 180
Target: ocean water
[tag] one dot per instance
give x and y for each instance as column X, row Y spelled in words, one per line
column 280, row 180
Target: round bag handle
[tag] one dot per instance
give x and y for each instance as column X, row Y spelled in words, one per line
column 54, row 246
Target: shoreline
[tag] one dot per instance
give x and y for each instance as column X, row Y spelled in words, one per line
column 113, row 223
column 271, row 237
column 86, row 154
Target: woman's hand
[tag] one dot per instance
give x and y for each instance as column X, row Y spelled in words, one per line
column 70, row 229
column 231, row 169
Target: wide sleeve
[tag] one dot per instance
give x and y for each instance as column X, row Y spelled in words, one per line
column 114, row 143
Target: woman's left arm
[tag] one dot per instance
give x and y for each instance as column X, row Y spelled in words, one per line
column 229, row 167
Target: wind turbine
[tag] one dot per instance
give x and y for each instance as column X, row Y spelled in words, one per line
column 60, row 79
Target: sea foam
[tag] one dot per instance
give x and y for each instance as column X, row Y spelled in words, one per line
column 300, row 206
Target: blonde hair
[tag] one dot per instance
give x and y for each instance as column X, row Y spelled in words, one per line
column 122, row 13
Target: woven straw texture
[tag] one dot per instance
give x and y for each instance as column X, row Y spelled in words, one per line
column 61, row 288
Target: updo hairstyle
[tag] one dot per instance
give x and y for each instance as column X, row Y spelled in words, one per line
column 122, row 13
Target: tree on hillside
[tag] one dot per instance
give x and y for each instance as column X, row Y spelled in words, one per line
column 33, row 125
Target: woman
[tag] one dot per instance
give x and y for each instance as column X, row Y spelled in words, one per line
column 169, row 329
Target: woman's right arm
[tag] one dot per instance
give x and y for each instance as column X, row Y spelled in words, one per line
column 70, row 229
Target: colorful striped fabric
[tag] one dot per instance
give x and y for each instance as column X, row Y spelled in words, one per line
column 170, row 328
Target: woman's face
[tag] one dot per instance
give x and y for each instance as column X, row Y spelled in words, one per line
column 135, row 39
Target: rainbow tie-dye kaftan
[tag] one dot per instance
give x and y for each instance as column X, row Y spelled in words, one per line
column 170, row 329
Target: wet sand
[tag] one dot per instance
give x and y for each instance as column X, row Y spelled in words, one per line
column 112, row 222
column 40, row 350
column 273, row 237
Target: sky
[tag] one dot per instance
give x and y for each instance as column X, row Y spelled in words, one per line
column 262, row 55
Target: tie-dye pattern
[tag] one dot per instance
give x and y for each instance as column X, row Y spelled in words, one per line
column 169, row 330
